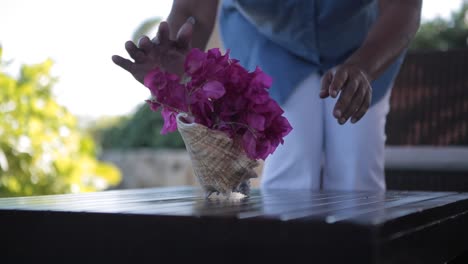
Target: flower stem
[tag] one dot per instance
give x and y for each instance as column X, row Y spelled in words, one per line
column 175, row 109
column 251, row 130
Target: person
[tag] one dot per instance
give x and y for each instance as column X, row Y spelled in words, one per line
column 333, row 63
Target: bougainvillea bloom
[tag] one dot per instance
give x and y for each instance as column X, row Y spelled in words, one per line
column 219, row 93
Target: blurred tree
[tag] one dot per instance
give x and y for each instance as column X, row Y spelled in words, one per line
column 440, row 34
column 41, row 149
column 141, row 130
column 100, row 128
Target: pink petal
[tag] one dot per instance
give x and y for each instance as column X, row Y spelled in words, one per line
column 214, row 53
column 170, row 124
column 261, row 79
column 264, row 149
column 194, row 61
column 256, row 121
column 249, row 144
column 213, row 90
column 155, row 80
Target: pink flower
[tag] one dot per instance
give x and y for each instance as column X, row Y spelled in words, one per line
column 270, row 110
column 166, row 89
column 170, row 123
column 221, row 95
column 256, row 121
column 256, row 146
column 260, row 80
column 231, row 107
column 212, row 90
column 194, row 61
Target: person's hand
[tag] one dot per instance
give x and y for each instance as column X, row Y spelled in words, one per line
column 161, row 52
column 354, row 90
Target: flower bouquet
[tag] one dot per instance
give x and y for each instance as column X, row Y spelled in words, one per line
column 224, row 114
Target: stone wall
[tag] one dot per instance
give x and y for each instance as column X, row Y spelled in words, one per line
column 149, row 168
column 143, row 168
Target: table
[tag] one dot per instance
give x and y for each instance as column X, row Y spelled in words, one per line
column 177, row 225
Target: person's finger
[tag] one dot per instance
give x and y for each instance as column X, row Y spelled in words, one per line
column 134, row 52
column 341, row 111
column 122, row 62
column 326, row 81
column 145, row 44
column 162, row 37
column 363, row 108
column 184, row 35
column 355, row 104
column 339, row 79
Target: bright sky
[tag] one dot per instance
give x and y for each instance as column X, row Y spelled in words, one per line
column 81, row 36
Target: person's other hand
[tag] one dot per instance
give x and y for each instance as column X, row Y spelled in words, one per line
column 161, row 52
column 354, row 90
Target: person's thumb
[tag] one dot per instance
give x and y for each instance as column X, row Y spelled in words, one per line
column 184, row 36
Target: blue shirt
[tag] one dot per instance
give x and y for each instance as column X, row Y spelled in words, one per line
column 290, row 39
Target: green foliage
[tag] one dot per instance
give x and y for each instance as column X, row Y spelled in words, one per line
column 141, row 130
column 100, row 127
column 42, row 151
column 441, row 34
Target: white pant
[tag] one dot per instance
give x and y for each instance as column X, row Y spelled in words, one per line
column 352, row 155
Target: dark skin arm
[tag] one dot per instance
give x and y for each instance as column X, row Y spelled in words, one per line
column 204, row 13
column 389, row 36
